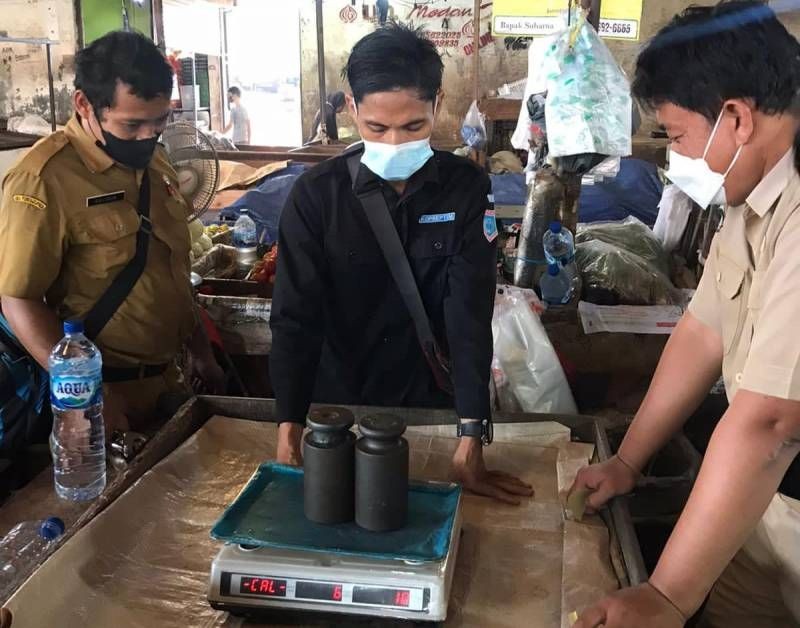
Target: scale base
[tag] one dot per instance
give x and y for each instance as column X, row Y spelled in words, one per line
column 259, row 582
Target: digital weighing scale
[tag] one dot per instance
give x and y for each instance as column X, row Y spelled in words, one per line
column 245, row 579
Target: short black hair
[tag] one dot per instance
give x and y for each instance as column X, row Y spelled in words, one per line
column 128, row 57
column 235, row 91
column 392, row 58
column 707, row 55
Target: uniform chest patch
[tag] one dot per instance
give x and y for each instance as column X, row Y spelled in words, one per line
column 427, row 219
column 490, row 225
column 29, row 200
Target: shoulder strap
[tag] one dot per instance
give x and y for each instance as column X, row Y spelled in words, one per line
column 377, row 211
column 124, row 282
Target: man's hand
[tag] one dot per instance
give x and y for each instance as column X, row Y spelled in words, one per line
column 289, row 444
column 642, row 606
column 605, row 480
column 208, row 376
column 470, row 471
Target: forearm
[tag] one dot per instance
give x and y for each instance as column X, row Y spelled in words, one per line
column 294, row 361
column 689, row 366
column 35, row 325
column 745, row 462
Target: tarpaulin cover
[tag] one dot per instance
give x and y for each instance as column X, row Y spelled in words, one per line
column 269, row 513
column 635, row 191
column 265, row 202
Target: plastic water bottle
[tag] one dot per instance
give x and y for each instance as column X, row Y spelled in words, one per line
column 559, row 248
column 244, row 239
column 76, row 395
column 555, row 285
column 24, row 543
column 559, row 245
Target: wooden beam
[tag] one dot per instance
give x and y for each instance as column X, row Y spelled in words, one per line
column 476, row 45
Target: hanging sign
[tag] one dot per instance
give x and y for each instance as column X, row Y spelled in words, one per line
column 619, row 19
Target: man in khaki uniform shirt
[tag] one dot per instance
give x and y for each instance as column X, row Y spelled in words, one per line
column 724, row 83
column 68, row 225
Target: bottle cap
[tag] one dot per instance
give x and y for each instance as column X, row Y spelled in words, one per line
column 243, row 211
column 73, row 327
column 51, row 528
column 552, row 270
column 555, row 226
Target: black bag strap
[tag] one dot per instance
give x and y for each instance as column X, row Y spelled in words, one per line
column 124, row 282
column 377, row 211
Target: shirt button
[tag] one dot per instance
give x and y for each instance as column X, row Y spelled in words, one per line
column 351, row 254
column 386, row 340
column 437, row 245
column 738, row 378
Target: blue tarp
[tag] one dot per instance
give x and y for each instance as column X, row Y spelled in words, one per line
column 266, row 200
column 635, row 191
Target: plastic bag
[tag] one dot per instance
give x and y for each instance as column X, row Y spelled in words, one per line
column 589, row 105
column 674, row 210
column 525, row 369
column 630, row 235
column 473, row 130
column 537, row 84
column 615, row 275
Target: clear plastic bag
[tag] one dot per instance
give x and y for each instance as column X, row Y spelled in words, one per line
column 615, row 276
column 589, row 105
column 473, row 129
column 526, row 371
column 630, row 235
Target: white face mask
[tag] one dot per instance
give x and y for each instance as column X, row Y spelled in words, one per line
column 696, row 178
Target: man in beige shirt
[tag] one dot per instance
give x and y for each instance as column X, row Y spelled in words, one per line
column 724, row 82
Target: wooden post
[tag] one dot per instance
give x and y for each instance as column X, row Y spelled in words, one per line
column 478, row 157
column 323, row 97
column 476, row 45
column 593, row 7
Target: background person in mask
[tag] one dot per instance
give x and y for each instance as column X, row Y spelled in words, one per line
column 724, row 82
column 68, row 225
column 341, row 332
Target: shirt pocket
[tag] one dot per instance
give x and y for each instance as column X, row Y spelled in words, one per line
column 434, row 244
column 106, row 237
column 731, row 280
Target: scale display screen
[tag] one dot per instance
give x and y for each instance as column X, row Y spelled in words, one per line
column 381, row 596
column 319, row 591
column 268, row 587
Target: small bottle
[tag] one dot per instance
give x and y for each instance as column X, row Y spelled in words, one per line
column 555, row 285
column 245, row 240
column 23, row 544
column 381, row 474
column 328, row 466
column 77, row 442
column 559, row 248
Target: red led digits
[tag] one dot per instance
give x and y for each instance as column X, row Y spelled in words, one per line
column 337, row 592
column 402, row 598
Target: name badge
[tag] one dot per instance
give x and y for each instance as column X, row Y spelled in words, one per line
column 102, row 199
column 428, row 219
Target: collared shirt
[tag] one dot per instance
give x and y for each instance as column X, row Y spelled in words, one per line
column 68, row 224
column 750, row 290
column 337, row 315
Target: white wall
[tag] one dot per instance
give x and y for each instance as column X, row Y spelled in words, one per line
column 23, row 67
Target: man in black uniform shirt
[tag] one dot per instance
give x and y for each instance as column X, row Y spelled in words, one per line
column 337, row 312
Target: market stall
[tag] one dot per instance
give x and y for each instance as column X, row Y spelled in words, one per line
column 200, row 460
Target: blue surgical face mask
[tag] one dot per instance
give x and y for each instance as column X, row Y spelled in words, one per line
column 396, row 162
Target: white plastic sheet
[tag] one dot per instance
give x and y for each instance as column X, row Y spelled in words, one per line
column 537, row 83
column 674, row 210
column 527, row 373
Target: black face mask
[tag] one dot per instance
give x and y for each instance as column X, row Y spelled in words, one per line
column 135, row 154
